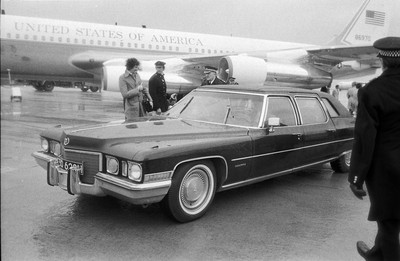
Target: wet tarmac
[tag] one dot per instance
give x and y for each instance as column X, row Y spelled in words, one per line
column 310, row 215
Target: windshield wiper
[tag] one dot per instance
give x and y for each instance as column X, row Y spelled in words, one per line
column 184, row 108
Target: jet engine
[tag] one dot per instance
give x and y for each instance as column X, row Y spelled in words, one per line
column 257, row 71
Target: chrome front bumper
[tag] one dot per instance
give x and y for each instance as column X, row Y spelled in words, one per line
column 104, row 184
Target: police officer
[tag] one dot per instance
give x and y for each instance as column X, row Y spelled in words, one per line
column 376, row 152
column 211, row 76
column 158, row 89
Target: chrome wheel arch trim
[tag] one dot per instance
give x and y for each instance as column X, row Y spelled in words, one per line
column 224, row 176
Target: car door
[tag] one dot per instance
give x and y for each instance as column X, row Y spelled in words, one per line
column 278, row 151
column 319, row 131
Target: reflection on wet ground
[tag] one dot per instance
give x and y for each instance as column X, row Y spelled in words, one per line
column 66, row 105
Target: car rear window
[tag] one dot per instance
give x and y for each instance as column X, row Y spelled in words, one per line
column 331, row 110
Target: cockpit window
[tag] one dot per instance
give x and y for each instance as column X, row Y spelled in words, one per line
column 219, row 107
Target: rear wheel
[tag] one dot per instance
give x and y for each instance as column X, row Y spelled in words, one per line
column 84, row 88
column 48, row 86
column 192, row 191
column 94, row 88
column 342, row 164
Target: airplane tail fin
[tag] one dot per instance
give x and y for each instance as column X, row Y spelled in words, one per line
column 370, row 23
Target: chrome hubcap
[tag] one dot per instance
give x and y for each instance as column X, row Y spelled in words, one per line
column 195, row 190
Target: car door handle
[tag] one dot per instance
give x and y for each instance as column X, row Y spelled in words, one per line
column 331, row 130
column 299, row 135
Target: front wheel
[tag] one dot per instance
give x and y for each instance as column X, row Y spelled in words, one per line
column 192, row 191
column 342, row 164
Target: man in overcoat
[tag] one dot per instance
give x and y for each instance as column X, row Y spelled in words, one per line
column 132, row 91
column 158, row 89
column 376, row 152
column 211, row 78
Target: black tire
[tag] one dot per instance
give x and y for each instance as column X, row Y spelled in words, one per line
column 48, row 86
column 94, row 88
column 192, row 191
column 342, row 164
column 84, row 88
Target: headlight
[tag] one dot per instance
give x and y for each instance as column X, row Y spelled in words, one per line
column 45, row 144
column 112, row 165
column 55, row 148
column 134, row 171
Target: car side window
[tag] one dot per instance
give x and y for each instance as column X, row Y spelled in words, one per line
column 282, row 108
column 311, row 110
column 331, row 110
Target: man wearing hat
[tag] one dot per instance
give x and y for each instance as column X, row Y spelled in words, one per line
column 158, row 89
column 211, row 76
column 376, row 152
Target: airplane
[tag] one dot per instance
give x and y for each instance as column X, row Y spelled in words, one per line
column 43, row 51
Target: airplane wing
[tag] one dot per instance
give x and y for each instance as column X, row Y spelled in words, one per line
column 342, row 61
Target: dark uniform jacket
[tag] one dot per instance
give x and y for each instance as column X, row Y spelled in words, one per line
column 158, row 91
column 376, row 149
column 215, row 82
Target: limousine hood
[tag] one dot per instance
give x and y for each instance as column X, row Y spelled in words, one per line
column 126, row 140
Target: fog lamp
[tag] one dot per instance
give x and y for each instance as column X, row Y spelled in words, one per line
column 134, row 171
column 44, row 144
column 112, row 165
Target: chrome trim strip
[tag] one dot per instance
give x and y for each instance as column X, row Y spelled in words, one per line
column 272, row 175
column 130, row 185
column 202, row 158
column 301, row 148
column 90, row 153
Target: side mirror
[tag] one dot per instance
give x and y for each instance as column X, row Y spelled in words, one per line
column 273, row 122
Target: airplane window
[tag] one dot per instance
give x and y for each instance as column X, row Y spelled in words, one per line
column 149, row 46
column 202, row 50
column 51, row 38
column 136, row 45
column 35, row 37
column 106, row 43
column 163, row 47
column 129, row 45
column 177, row 49
column 99, row 42
column 68, row 40
column 121, row 44
column 91, row 42
column 8, row 35
column 17, row 36
column 157, row 47
column 83, row 41
column 170, row 48
column 143, row 46
column 209, row 51
column 113, row 43
column 196, row 50
column 221, row 51
column 43, row 38
column 76, row 41
column 60, row 39
column 215, row 51
column 26, row 37
column 190, row 50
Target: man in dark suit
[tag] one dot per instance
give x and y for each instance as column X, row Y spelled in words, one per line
column 376, row 152
column 158, row 89
column 211, row 76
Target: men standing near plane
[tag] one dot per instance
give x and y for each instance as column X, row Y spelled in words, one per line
column 158, row 89
column 132, row 90
column 335, row 92
column 376, row 152
column 352, row 99
column 211, row 76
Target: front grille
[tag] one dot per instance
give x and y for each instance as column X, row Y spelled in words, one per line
column 91, row 163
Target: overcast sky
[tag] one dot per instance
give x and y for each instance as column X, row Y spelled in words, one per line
column 304, row 21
